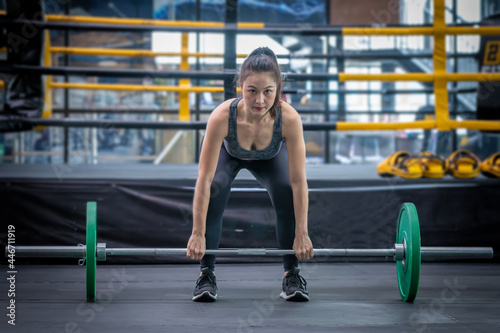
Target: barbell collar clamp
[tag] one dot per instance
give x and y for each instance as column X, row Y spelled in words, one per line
column 399, row 252
column 101, row 252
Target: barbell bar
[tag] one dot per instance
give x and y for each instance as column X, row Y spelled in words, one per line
column 427, row 253
column 407, row 252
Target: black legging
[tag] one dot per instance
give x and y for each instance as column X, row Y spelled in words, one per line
column 273, row 175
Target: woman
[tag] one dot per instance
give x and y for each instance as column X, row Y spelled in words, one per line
column 263, row 134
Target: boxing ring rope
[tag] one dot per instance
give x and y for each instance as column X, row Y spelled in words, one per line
column 428, row 31
column 292, row 56
column 137, row 87
column 133, row 53
column 148, row 22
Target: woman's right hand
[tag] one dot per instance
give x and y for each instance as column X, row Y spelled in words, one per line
column 196, row 247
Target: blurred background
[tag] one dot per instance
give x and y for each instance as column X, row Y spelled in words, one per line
column 316, row 101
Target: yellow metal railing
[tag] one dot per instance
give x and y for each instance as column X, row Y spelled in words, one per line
column 440, row 77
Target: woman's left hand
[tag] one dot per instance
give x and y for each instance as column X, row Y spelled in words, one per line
column 303, row 247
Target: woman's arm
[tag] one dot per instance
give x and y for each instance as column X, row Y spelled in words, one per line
column 293, row 134
column 217, row 129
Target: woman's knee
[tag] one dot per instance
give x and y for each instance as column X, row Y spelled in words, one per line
column 282, row 195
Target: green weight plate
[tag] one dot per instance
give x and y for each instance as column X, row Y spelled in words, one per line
column 408, row 233
column 91, row 250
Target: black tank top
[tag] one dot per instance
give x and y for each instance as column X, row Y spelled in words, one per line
column 233, row 146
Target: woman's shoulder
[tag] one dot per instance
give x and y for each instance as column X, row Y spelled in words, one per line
column 289, row 114
column 221, row 112
column 218, row 122
column 292, row 124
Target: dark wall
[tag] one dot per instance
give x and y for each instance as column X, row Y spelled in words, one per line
column 158, row 214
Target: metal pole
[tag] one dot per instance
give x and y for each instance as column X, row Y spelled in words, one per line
column 197, row 82
column 427, row 253
column 66, row 91
column 49, row 251
column 454, row 99
column 22, row 139
column 456, row 252
column 252, row 252
column 231, row 20
column 327, row 105
column 341, row 104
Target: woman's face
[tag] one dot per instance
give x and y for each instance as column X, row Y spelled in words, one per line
column 259, row 93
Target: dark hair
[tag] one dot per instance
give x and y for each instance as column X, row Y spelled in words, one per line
column 263, row 60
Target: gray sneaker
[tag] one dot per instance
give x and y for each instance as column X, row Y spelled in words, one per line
column 206, row 287
column 294, row 287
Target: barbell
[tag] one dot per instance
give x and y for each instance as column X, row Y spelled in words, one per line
column 407, row 252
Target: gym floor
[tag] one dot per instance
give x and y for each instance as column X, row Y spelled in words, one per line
column 345, row 297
